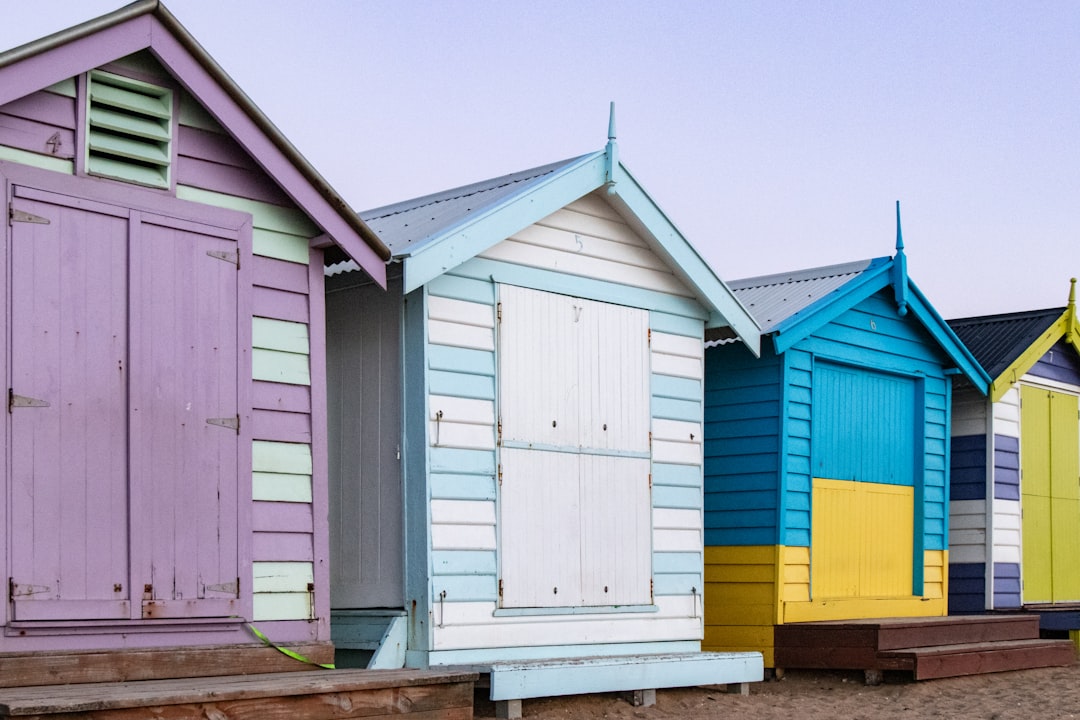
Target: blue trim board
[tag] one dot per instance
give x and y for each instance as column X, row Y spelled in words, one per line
column 544, row 652
column 967, row 588
column 458, row 486
column 1007, row 586
column 458, row 287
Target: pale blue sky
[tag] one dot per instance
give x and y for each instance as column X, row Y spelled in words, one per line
column 777, row 136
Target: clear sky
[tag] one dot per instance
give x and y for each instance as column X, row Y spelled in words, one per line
column 776, row 135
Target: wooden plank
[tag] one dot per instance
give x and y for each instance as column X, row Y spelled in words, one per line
column 280, row 396
column 281, row 487
column 272, row 273
column 131, row 664
column 280, row 304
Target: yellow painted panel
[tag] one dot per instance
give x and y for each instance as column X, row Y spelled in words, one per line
column 795, row 592
column 739, row 573
column 798, row 574
column 1035, row 441
column 720, row 614
column 748, row 636
column 1065, row 450
column 1065, row 531
column 857, row 608
column 796, row 555
column 741, row 555
column 862, row 537
column 739, row 593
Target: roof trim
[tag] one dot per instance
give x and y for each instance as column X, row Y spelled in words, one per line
column 1066, row 326
column 538, row 198
column 880, row 274
column 21, row 73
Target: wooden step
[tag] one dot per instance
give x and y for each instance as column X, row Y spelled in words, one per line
column 976, row 658
column 316, row 695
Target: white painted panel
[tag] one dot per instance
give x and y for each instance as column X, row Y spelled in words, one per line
column 465, row 336
column 616, row 531
column 669, row 519
column 614, row 628
column 460, row 312
column 613, row 376
column 463, row 410
column 483, row 613
column 677, row 453
column 676, row 430
column 1006, row 554
column 677, row 541
column 462, row 537
column 597, row 205
column 539, row 530
column 575, row 264
column 691, row 347
column 282, row 335
column 1007, row 539
column 593, row 216
column 677, row 365
column 463, row 512
column 281, row 487
column 1007, row 414
column 538, row 367
column 969, row 413
column 587, row 245
column 282, row 576
column 460, row 435
column 281, row 606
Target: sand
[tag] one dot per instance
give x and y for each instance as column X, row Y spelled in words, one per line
column 817, row 695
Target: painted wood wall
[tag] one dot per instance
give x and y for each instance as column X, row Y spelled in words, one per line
column 986, row 521
column 585, row 250
column 759, row 450
column 287, row 515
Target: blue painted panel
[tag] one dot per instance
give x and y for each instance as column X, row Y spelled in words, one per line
column 463, row 288
column 744, row 482
column 463, row 588
column 685, row 475
column 466, row 462
column 671, row 409
column 676, row 324
column 725, row 406
column 667, row 386
column 744, row 537
column 1006, row 467
column 865, row 426
column 797, row 536
column 448, row 486
column 741, row 501
column 1060, row 363
column 1006, row 585
column 730, row 432
column 968, row 468
column 676, row 497
column 676, row 584
column 478, row 387
column 730, row 466
column 752, row 519
column 967, row 588
column 677, row 562
column 463, row 562
column 544, row 652
column 454, row 359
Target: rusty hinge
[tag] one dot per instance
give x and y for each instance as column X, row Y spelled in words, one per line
column 499, row 470
column 233, row 423
column 648, row 337
column 651, row 589
column 231, row 588
column 500, row 587
column 22, row 216
column 498, row 311
column 498, row 431
column 650, row 481
column 20, row 401
column 311, row 602
column 23, row 590
column 229, row 257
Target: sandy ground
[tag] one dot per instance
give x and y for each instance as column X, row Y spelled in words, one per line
column 818, row 695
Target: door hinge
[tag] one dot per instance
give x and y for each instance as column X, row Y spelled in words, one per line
column 23, row 590
column 498, row 432
column 499, row 471
column 233, row 423
column 230, row 588
column 500, row 587
column 498, row 311
column 20, row 401
column 648, row 337
column 22, row 216
column 229, row 257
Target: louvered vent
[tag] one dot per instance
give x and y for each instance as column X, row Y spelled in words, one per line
column 130, row 130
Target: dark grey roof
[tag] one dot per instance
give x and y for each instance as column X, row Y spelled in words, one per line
column 406, row 225
column 772, row 299
column 997, row 340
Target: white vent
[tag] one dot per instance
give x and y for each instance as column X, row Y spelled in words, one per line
column 129, row 130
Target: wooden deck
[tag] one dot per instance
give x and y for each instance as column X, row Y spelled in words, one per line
column 928, row 648
column 315, row 695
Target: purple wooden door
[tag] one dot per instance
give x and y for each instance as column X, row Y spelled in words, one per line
column 68, row 404
column 184, row 418
column 124, row 413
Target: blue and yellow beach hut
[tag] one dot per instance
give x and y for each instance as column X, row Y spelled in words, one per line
column 826, row 459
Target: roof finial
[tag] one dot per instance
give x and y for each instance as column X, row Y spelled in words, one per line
column 1072, row 292
column 900, row 278
column 612, row 152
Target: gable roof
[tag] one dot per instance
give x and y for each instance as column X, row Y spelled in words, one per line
column 148, row 25
column 1008, row 345
column 791, row 306
column 433, row 234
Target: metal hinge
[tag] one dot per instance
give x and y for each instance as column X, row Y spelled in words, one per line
column 231, row 588
column 650, row 481
column 498, row 431
column 499, row 472
column 22, row 216
column 20, row 401
column 23, row 590
column 498, row 311
column 500, row 587
column 648, row 337
column 229, row 257
column 233, row 423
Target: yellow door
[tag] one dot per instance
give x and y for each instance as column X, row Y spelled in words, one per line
column 862, row 539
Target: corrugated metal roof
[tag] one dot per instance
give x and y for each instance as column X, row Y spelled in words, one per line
column 997, row 340
column 772, row 299
column 405, row 226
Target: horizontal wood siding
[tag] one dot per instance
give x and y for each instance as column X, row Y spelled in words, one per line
column 742, row 447
column 1060, row 364
column 968, row 467
column 797, row 430
column 967, row 587
column 612, row 266
column 967, row 531
column 741, row 595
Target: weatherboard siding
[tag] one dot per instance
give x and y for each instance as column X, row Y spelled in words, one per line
column 212, row 169
column 466, row 621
